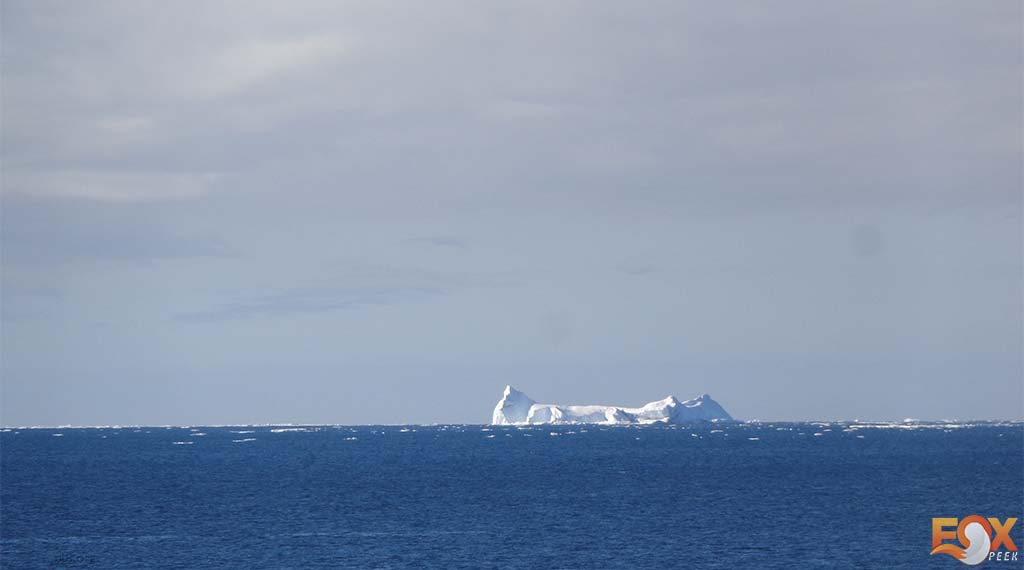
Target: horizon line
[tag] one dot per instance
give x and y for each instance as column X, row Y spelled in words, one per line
column 905, row 421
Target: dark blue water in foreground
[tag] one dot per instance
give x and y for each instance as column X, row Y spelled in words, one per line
column 479, row 497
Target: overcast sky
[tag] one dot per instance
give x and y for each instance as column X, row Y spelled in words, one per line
column 384, row 212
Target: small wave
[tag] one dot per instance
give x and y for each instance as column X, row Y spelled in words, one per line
column 183, row 443
column 243, row 440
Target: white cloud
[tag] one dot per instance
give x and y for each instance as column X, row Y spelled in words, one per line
column 244, row 65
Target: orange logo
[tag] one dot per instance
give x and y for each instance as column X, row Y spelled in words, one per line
column 980, row 539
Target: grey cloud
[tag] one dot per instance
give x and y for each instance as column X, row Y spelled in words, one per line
column 339, row 87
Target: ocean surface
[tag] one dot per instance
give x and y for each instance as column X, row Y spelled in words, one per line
column 756, row 495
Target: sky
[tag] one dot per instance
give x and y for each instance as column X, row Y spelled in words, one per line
column 383, row 212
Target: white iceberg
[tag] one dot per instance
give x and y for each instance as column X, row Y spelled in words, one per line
column 516, row 408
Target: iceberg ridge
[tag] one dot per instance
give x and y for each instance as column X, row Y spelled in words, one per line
column 516, row 408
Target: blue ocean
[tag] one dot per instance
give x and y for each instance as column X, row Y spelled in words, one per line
column 749, row 495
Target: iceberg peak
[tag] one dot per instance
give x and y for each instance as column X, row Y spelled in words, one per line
column 513, row 408
column 516, row 407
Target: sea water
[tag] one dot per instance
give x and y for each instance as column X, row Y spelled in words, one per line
column 749, row 495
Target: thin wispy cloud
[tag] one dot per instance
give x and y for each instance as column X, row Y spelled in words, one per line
column 636, row 267
column 111, row 185
column 310, row 301
column 359, row 286
column 455, row 242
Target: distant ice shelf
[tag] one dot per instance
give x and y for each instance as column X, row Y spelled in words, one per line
column 516, row 408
